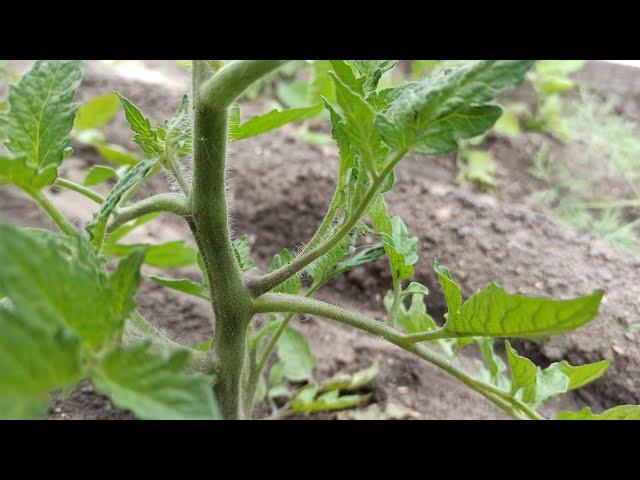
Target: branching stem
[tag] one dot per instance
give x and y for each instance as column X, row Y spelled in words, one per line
column 81, row 189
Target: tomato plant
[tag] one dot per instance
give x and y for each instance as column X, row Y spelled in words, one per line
column 69, row 311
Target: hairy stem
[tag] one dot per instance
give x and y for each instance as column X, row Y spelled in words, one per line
column 163, row 202
column 258, row 286
column 58, row 218
column 81, row 189
column 137, row 329
column 213, row 93
column 271, row 302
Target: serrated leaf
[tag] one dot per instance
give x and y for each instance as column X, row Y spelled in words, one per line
column 368, row 255
column 41, row 115
column 415, row 319
column 295, row 355
column 400, row 248
column 430, row 116
column 292, row 285
column 581, row 375
column 146, row 136
column 36, row 274
column 495, row 365
column 182, row 285
column 34, row 361
column 174, row 254
column 494, row 312
column 372, row 70
column 99, row 174
column 359, row 125
column 621, row 412
column 179, row 141
column 270, row 121
column 243, row 253
column 17, row 171
column 153, row 386
column 135, row 174
column 97, row 112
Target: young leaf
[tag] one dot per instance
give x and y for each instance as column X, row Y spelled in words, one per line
column 16, row 169
column 96, row 112
column 450, row 288
column 128, row 227
column 431, row 115
column 369, row 255
column 97, row 226
column 523, row 375
column 179, row 141
column 352, row 382
column 182, row 285
column 243, row 253
column 372, row 70
column 415, row 319
column 494, row 312
column 270, row 121
column 621, row 412
column 126, row 280
column 42, row 112
column 295, row 355
column 99, row 174
column 153, row 386
column 146, row 136
column 292, row 285
column 401, row 249
column 306, row 402
column 478, row 167
column 581, row 375
column 496, row 367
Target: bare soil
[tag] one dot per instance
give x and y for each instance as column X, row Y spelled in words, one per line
column 279, row 188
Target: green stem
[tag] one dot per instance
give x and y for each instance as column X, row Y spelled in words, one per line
column 213, row 92
column 59, row 219
column 258, row 286
column 68, row 184
column 271, row 302
column 163, row 202
column 137, row 329
column 393, row 312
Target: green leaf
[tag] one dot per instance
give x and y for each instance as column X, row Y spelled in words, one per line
column 97, row 112
column 117, row 154
column 37, row 272
column 153, row 386
column 346, row 382
column 478, row 167
column 621, row 412
column 16, row 169
column 182, row 285
column 415, row 319
column 128, row 227
column 363, row 257
column 295, row 355
column 41, row 115
column 126, row 280
column 494, row 312
column 581, row 375
column 400, row 248
column 99, row 174
column 179, row 141
column 33, row 361
column 372, row 70
column 243, row 253
column 174, row 254
column 272, row 120
column 450, row 288
column 292, row 285
column 146, row 136
column 306, row 402
column 135, row 174
column 508, row 124
column 359, row 125
column 524, row 375
column 430, row 116
column 494, row 372
column 293, row 94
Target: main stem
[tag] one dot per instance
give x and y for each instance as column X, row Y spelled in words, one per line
column 232, row 307
column 213, row 93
